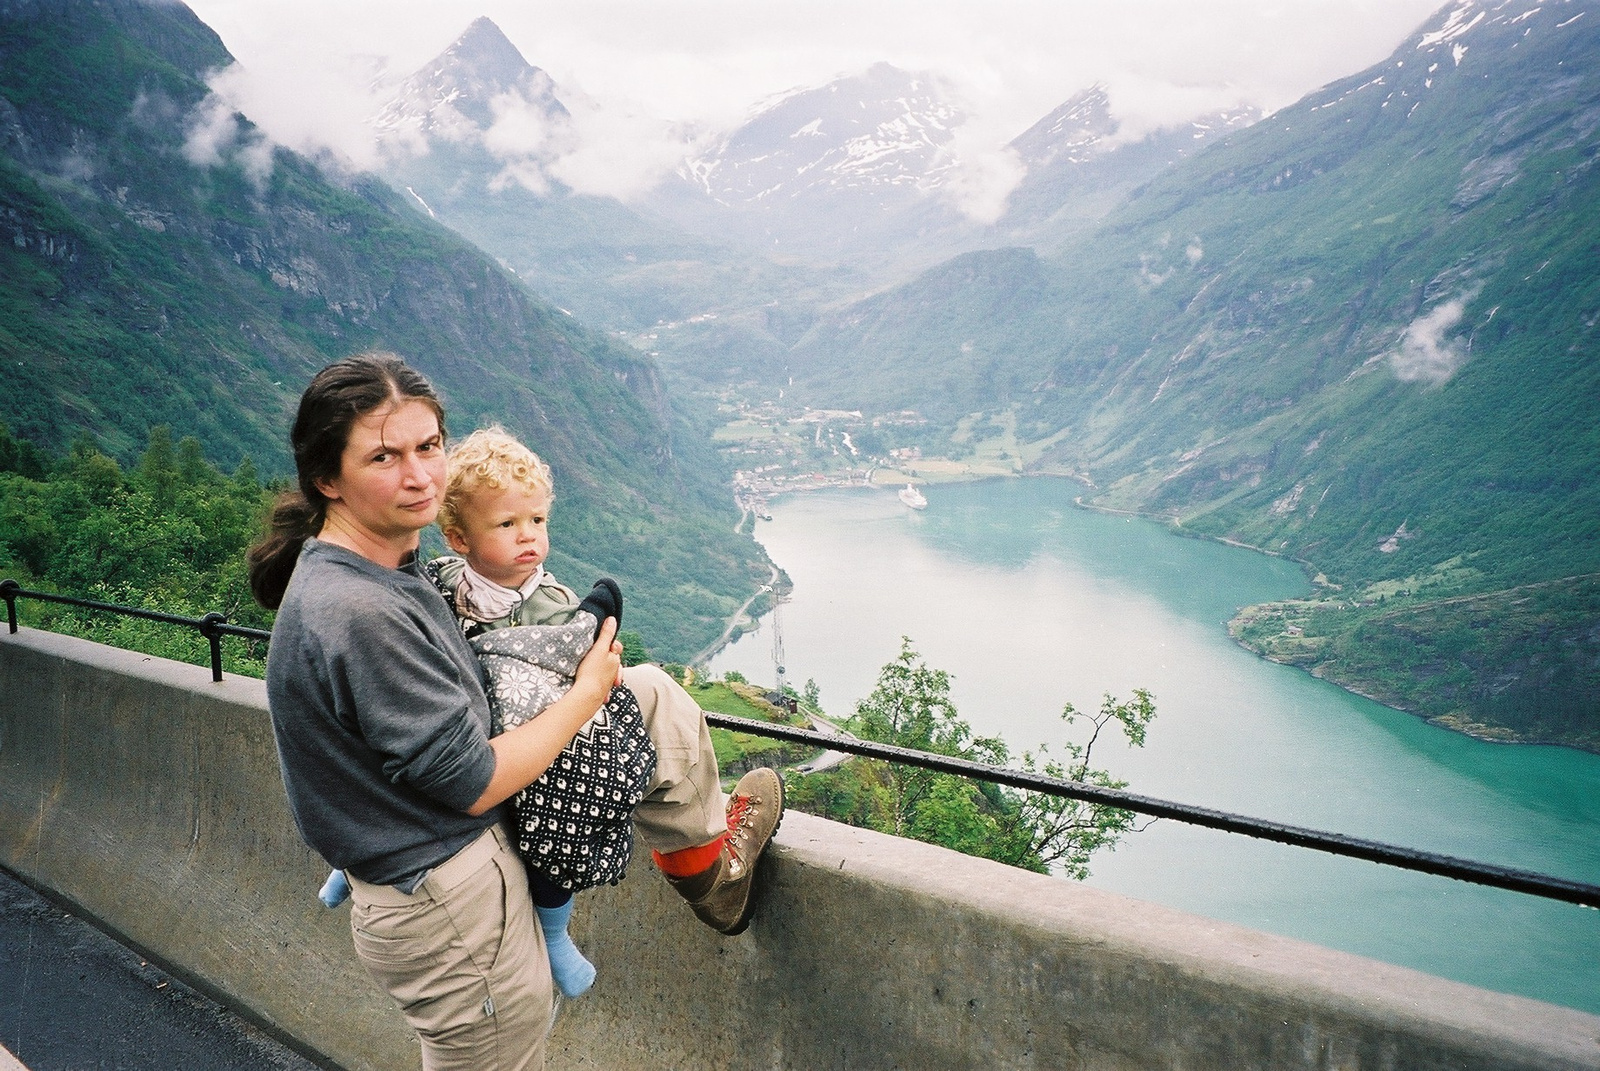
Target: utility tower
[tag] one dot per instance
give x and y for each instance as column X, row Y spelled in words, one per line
column 777, row 644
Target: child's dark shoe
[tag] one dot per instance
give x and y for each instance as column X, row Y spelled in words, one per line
column 603, row 602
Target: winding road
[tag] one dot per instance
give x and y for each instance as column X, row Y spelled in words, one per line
column 734, row 621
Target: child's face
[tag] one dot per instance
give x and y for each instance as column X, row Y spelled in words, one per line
column 504, row 532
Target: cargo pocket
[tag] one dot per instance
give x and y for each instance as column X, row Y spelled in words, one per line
column 416, row 955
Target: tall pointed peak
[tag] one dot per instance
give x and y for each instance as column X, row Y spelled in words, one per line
column 1072, row 130
column 486, row 51
column 454, row 94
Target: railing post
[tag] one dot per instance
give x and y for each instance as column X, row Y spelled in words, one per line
column 209, row 629
column 8, row 591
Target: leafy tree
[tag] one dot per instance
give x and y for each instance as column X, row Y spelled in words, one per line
column 1064, row 833
column 168, row 535
column 634, row 652
column 19, row 455
column 158, row 469
column 812, row 697
column 910, row 707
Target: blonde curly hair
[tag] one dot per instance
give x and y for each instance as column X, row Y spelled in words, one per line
column 489, row 457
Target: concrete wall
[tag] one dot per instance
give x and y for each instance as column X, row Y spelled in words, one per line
column 149, row 796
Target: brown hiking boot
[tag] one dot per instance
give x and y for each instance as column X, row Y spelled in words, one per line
column 720, row 895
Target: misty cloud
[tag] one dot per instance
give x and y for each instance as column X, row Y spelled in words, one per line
column 528, row 138
column 212, row 131
column 215, row 137
column 1426, row 355
column 155, row 111
column 619, row 152
column 255, row 159
column 982, row 182
column 523, row 128
column 665, row 76
column 1142, row 105
column 317, row 109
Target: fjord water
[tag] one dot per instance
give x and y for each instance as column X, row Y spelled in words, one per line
column 1030, row 603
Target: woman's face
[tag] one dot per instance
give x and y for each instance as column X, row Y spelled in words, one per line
column 391, row 476
column 504, row 532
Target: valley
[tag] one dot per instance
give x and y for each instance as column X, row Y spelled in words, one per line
column 1359, row 332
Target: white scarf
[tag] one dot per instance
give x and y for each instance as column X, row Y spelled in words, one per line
column 481, row 599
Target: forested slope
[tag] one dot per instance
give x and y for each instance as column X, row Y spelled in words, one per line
column 164, row 264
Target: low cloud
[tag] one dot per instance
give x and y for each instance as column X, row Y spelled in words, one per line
column 1426, row 353
column 525, row 129
column 619, row 152
column 982, row 182
column 214, row 136
column 328, row 112
column 667, row 73
column 255, row 159
column 527, row 137
column 1143, row 105
column 212, row 132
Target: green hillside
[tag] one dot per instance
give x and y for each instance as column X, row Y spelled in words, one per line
column 1361, row 333
column 165, row 265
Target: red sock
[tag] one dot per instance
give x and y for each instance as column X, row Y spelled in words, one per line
column 688, row 862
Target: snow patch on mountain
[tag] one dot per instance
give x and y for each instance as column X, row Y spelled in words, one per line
column 883, row 130
column 481, row 93
column 1444, row 45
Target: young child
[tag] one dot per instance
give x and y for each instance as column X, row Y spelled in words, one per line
column 495, row 516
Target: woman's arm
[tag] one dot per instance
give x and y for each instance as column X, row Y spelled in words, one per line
column 524, row 753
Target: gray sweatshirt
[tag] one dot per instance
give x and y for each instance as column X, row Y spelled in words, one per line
column 380, row 716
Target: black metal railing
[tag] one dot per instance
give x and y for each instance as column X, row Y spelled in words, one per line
column 1523, row 881
column 214, row 626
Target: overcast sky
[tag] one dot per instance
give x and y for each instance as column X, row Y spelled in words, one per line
column 646, row 75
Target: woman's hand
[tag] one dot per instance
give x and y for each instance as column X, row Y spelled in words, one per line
column 526, row 752
column 602, row 666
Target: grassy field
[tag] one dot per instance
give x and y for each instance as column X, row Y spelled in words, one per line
column 740, row 752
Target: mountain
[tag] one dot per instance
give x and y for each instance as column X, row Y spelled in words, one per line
column 634, row 270
column 1075, row 133
column 1079, row 167
column 828, row 172
column 471, row 137
column 872, row 134
column 866, row 168
column 469, row 87
column 165, row 264
column 824, row 193
column 1361, row 332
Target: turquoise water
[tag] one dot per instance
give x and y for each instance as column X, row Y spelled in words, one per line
column 1030, row 603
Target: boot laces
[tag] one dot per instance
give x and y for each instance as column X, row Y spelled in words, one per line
column 739, row 807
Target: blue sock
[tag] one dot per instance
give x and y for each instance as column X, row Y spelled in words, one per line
column 334, row 891
column 573, row 974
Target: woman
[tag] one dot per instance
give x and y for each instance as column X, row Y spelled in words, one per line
column 383, row 728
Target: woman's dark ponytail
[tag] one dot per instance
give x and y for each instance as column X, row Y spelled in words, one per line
column 336, row 398
column 271, row 561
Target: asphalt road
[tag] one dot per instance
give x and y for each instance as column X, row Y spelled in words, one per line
column 73, row 999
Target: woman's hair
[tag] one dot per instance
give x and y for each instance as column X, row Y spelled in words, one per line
column 337, row 397
column 489, row 457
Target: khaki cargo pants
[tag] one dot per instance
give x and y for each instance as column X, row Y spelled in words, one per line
column 463, row 957
column 683, row 806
